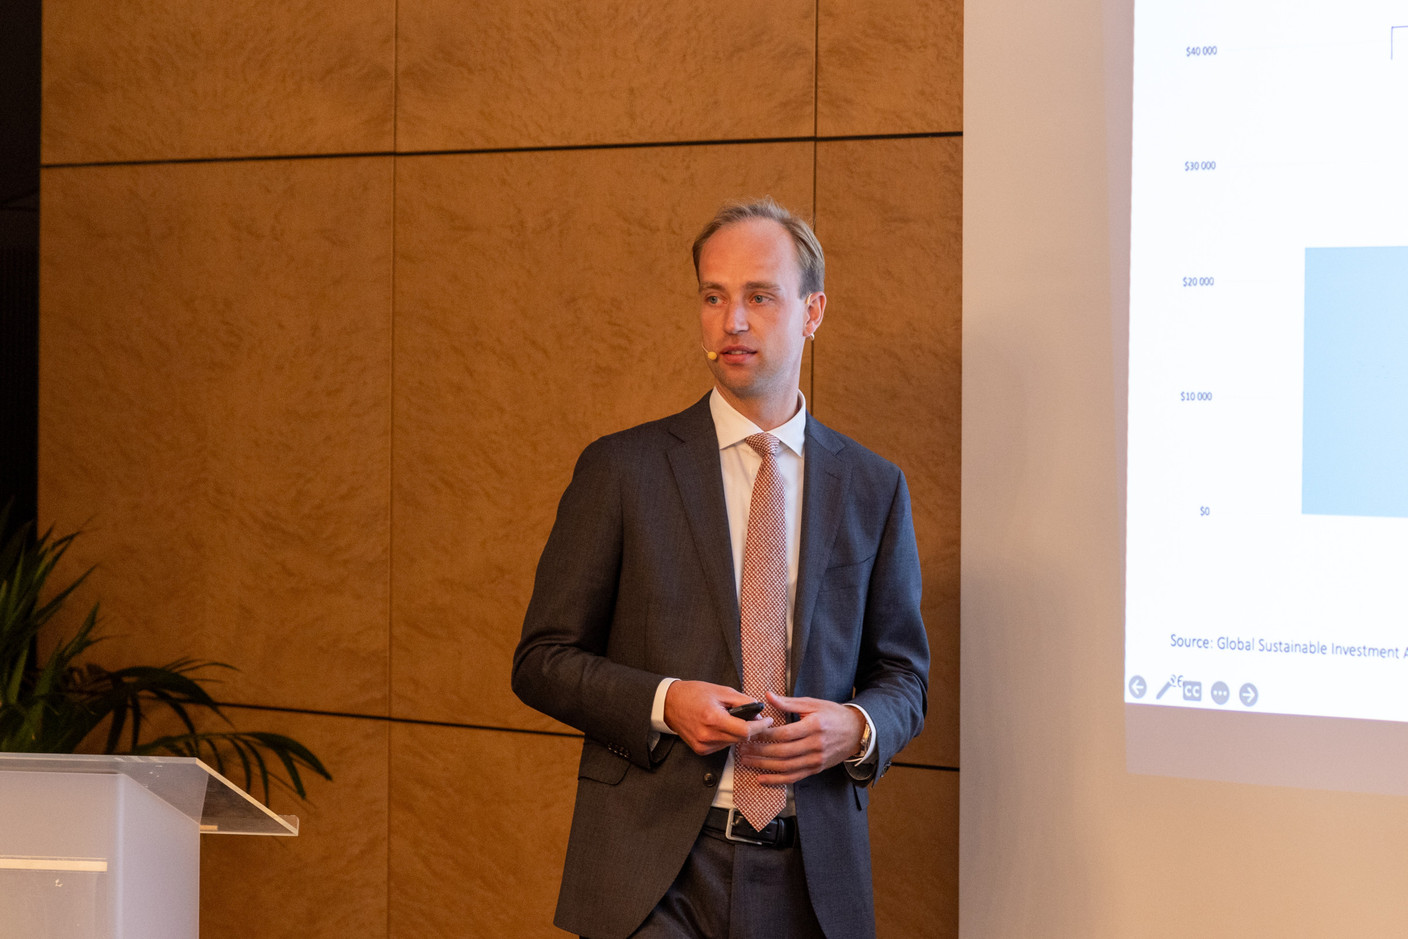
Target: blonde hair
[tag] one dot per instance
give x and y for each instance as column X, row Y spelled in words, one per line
column 811, row 262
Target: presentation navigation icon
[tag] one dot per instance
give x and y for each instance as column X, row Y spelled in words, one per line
column 1220, row 693
column 1192, row 691
column 1137, row 686
column 1248, row 694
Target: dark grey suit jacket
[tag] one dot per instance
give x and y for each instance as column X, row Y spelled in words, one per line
column 636, row 584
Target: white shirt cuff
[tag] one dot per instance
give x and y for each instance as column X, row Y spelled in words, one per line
column 869, row 750
column 657, row 710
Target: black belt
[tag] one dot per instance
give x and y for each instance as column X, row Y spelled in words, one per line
column 781, row 832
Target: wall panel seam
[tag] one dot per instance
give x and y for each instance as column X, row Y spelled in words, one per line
column 551, row 148
column 391, row 461
column 492, row 728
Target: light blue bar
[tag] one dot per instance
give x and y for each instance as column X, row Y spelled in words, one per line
column 1355, row 446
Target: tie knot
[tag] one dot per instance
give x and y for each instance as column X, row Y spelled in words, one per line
column 764, row 445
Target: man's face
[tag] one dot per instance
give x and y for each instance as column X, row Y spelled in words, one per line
column 751, row 315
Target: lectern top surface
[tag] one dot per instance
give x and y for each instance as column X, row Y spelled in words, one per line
column 185, row 782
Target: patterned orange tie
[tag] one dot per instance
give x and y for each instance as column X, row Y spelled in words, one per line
column 762, row 600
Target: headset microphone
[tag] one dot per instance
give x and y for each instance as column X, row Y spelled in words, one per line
column 709, row 352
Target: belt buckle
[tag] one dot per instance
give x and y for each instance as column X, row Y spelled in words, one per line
column 734, row 817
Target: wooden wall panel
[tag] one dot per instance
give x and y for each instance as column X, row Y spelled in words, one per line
column 914, row 854
column 888, row 357
column 543, row 73
column 543, row 299
column 214, row 380
column 330, row 881
column 479, row 823
column 345, row 492
column 890, row 67
column 165, row 79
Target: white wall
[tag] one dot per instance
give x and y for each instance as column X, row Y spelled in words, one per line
column 1056, row 838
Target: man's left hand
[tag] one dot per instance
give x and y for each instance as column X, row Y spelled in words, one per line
column 824, row 734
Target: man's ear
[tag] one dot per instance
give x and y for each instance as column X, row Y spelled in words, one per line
column 816, row 310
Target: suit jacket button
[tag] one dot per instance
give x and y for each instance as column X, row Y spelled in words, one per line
column 710, row 779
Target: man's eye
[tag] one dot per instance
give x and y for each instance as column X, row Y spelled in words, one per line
column 760, row 298
column 711, row 300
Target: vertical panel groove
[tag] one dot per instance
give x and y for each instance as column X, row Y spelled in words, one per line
column 816, row 129
column 391, row 448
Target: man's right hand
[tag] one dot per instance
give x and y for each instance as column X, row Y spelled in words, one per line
column 697, row 712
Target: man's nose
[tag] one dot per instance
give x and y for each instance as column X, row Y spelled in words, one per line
column 736, row 319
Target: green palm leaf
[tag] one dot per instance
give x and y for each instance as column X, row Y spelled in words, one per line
column 55, row 705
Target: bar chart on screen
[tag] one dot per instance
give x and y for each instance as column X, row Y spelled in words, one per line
column 1267, row 500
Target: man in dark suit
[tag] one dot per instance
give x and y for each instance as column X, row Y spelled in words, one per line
column 633, row 632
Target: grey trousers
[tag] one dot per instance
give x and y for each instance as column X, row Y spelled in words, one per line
column 735, row 891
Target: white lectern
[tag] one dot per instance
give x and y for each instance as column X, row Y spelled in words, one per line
column 108, row 847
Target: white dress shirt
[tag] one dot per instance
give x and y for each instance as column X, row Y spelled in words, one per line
column 740, row 463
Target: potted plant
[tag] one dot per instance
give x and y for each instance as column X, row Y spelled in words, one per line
column 55, row 703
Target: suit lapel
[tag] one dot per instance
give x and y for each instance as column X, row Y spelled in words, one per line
column 825, row 480
column 695, row 464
